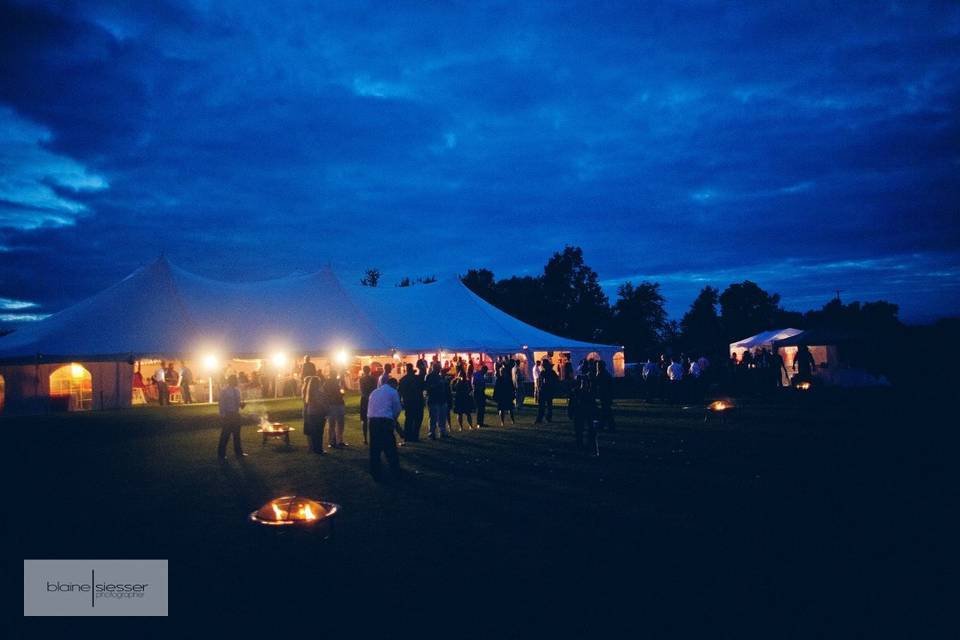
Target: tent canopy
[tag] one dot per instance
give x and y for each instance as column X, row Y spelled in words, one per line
column 814, row 337
column 162, row 310
column 763, row 339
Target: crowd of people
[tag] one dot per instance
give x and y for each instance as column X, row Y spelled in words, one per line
column 444, row 395
column 679, row 378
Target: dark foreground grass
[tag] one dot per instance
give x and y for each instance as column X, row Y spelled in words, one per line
column 792, row 513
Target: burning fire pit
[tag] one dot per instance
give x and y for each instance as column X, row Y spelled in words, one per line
column 803, row 386
column 297, row 512
column 274, row 430
column 719, row 409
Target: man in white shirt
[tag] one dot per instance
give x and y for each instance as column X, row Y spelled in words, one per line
column 160, row 379
column 382, row 412
column 675, row 376
column 675, row 371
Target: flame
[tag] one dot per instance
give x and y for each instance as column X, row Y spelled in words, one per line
column 307, row 513
column 803, row 386
column 719, row 405
column 279, row 513
column 265, row 424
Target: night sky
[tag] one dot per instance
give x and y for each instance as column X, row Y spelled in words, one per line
column 808, row 149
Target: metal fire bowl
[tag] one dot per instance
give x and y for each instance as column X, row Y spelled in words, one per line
column 326, row 520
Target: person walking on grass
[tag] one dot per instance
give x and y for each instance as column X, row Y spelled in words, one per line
column 480, row 394
column 230, row 420
column 367, row 383
column 463, row 399
column 314, row 412
column 336, row 408
column 504, row 394
column 382, row 412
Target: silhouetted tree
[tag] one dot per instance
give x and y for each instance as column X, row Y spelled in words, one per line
column 747, row 309
column 578, row 306
column 482, row 283
column 639, row 319
column 405, row 282
column 702, row 333
column 371, row 278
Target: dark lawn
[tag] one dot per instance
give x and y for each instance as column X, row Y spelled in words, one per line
column 791, row 512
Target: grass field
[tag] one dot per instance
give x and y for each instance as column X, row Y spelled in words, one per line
column 779, row 513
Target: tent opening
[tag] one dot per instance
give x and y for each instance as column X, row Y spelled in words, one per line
column 72, row 385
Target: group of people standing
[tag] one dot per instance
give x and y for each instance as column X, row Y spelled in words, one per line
column 436, row 393
column 675, row 378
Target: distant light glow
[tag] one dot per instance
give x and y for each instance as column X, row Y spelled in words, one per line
column 279, row 359
column 77, row 370
column 342, row 357
column 210, row 362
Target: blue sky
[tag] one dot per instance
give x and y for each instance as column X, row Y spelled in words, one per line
column 807, row 146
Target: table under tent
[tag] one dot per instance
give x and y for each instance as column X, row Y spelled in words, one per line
column 103, row 351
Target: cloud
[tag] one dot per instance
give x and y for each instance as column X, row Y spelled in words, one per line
column 36, row 185
column 250, row 140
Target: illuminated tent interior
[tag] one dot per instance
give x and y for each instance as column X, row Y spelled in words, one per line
column 162, row 311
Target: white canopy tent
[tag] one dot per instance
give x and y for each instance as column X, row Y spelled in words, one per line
column 764, row 339
column 164, row 311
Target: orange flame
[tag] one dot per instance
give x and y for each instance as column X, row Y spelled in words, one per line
column 307, row 513
column 278, row 512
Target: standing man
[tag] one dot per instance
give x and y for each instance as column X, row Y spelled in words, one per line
column 367, row 383
column 230, row 405
column 547, row 383
column 537, row 370
column 411, row 397
column 160, row 379
column 480, row 394
column 186, row 379
column 437, row 391
column 604, row 391
column 675, row 377
column 387, row 369
column 308, row 369
column 383, row 411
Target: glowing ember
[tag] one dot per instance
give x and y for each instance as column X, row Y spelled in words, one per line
column 803, row 386
column 719, row 405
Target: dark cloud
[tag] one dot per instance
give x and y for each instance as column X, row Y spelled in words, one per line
column 704, row 143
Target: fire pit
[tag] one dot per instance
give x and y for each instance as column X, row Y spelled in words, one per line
column 803, row 386
column 719, row 409
column 299, row 513
column 274, row 430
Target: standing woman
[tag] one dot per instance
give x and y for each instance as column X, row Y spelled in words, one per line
column 314, row 412
column 504, row 394
column 336, row 408
column 462, row 399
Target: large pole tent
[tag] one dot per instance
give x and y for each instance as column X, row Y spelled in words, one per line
column 86, row 356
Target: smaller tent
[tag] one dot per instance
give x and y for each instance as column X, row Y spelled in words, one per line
column 764, row 339
column 832, row 352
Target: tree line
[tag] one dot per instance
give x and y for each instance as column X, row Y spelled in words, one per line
column 567, row 299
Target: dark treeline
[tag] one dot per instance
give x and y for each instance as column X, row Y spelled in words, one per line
column 567, row 299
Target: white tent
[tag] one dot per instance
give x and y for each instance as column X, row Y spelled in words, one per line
column 763, row 339
column 164, row 311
